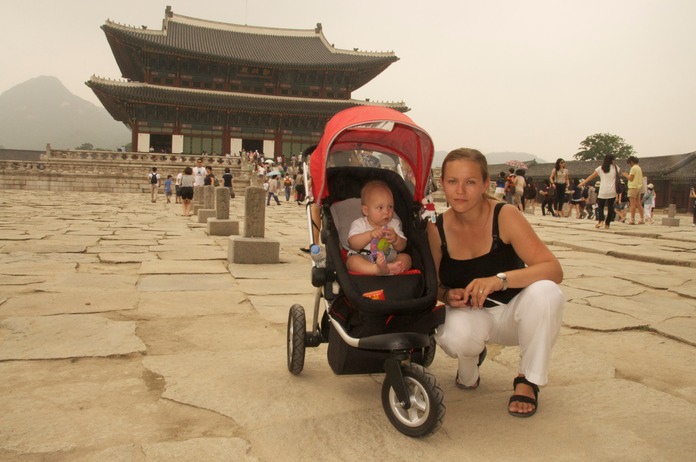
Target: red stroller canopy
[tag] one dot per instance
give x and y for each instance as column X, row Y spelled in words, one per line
column 378, row 129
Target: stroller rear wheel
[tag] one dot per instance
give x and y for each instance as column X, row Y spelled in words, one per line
column 297, row 333
column 427, row 409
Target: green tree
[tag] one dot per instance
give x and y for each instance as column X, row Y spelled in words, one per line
column 595, row 147
column 85, row 147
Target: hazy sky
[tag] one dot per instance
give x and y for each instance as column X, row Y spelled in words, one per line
column 534, row 76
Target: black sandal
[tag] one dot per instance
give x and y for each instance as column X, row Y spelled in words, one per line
column 524, row 399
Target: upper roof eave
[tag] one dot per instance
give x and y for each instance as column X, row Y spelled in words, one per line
column 299, row 38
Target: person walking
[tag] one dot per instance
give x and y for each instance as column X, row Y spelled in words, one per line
column 649, row 203
column 154, row 178
column 635, row 186
column 608, row 174
column 272, row 190
column 530, row 194
column 520, row 184
column 287, row 186
column 187, row 182
column 591, row 200
column 177, row 187
column 547, row 198
column 560, row 179
column 227, row 181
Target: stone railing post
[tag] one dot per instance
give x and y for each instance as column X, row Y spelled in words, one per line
column 221, row 225
column 208, row 210
column 253, row 247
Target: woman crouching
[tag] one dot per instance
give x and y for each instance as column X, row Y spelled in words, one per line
column 498, row 280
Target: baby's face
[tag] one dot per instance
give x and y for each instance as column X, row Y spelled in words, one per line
column 379, row 207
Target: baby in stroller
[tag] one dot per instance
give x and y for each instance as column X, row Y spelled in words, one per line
column 376, row 240
column 374, row 324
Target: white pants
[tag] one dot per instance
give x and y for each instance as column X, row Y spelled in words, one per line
column 531, row 320
column 648, row 211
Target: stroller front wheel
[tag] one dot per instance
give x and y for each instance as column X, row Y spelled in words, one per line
column 297, row 333
column 426, row 412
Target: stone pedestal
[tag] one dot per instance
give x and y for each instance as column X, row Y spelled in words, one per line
column 253, row 247
column 221, row 225
column 671, row 219
column 252, row 250
column 217, row 227
column 204, row 214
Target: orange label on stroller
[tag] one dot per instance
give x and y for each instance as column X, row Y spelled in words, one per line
column 375, row 294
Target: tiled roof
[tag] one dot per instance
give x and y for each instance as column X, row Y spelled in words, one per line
column 246, row 44
column 112, row 91
column 679, row 166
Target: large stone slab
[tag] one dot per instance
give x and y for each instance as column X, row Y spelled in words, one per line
column 203, row 379
column 275, row 309
column 648, row 307
column 215, row 449
column 223, row 333
column 66, row 336
column 87, row 405
column 32, row 268
column 192, row 254
column 126, row 257
column 186, row 282
column 193, row 303
column 608, row 285
column 70, row 302
column 182, row 267
column 79, row 280
column 587, row 317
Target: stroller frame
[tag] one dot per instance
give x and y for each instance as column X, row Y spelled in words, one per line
column 393, row 336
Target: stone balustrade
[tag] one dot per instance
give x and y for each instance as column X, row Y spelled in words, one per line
column 106, row 171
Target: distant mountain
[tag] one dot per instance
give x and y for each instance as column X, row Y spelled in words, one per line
column 42, row 110
column 494, row 158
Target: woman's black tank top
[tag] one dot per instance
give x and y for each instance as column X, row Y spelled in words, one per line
column 502, row 257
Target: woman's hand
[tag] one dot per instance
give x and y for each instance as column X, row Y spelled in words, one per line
column 479, row 289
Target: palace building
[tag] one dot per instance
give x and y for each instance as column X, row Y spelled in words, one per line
column 203, row 86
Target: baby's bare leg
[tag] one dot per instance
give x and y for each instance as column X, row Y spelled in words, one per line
column 358, row 264
column 401, row 263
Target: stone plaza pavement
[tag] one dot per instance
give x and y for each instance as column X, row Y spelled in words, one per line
column 125, row 335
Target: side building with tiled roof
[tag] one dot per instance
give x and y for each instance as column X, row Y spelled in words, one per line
column 198, row 85
column 671, row 175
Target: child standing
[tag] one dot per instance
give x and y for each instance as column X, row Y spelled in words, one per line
column 649, row 203
column 168, row 188
column 376, row 240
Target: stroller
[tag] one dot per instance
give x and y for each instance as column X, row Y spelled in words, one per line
column 374, row 324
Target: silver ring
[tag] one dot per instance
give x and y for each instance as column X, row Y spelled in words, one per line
column 480, row 291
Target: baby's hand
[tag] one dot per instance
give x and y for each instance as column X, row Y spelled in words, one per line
column 390, row 235
column 377, row 233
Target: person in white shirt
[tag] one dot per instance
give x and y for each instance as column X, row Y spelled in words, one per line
column 177, row 187
column 199, row 173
